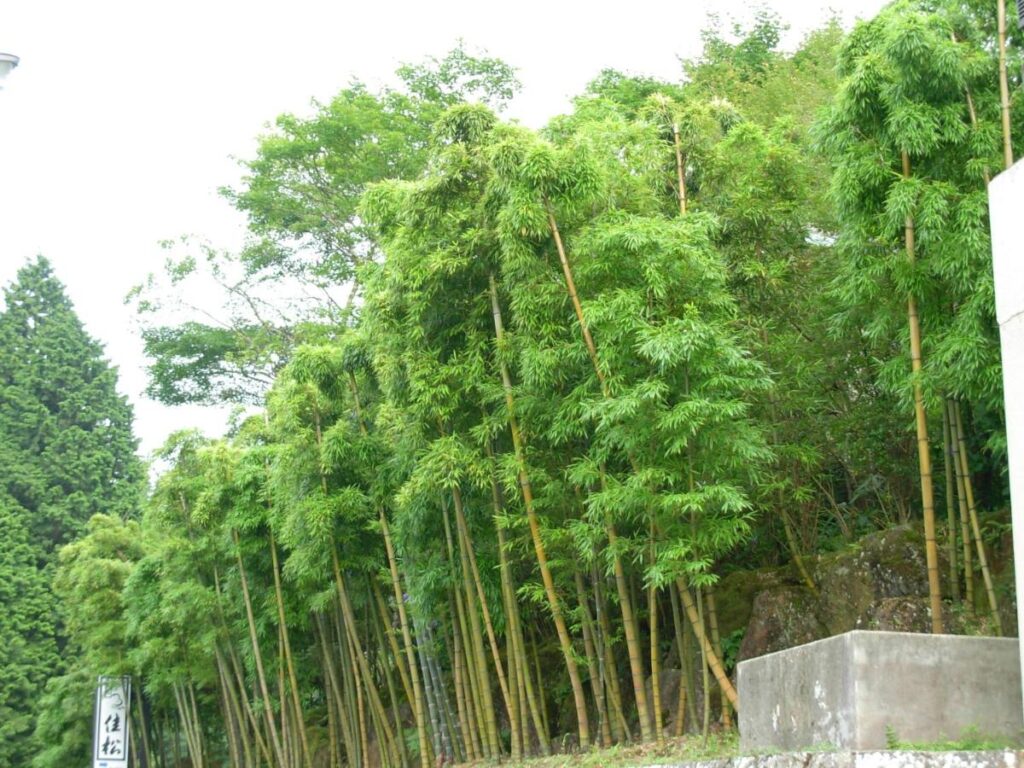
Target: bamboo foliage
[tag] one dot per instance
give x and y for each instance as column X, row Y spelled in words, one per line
column 585, row 371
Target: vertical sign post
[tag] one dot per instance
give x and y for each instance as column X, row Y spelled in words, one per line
column 110, row 730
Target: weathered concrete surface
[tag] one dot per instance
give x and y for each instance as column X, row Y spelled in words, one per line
column 845, row 692
column 1006, row 204
column 874, row 759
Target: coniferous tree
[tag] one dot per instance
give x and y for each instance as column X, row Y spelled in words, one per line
column 66, row 453
column 27, row 636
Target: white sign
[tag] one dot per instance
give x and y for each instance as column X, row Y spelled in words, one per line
column 110, row 734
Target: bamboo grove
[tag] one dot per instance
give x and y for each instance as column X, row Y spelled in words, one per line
column 583, row 371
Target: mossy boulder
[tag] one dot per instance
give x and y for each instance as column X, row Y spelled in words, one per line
column 781, row 618
column 853, row 582
column 881, row 582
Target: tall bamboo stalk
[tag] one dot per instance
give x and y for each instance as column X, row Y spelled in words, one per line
column 1004, row 88
column 705, row 678
column 716, row 643
column 593, row 665
column 652, row 620
column 564, row 641
column 289, row 661
column 380, row 629
column 403, row 619
column 470, row 564
column 333, row 692
column 519, row 643
column 474, row 672
column 143, row 727
column 516, row 684
column 636, row 665
column 570, row 284
column 686, row 688
column 441, row 742
column 482, row 678
column 614, row 696
column 680, row 169
column 257, row 654
column 696, row 622
column 924, row 456
column 625, row 602
column 947, row 457
column 965, row 525
column 389, row 635
column 386, row 735
column 463, row 704
column 972, row 510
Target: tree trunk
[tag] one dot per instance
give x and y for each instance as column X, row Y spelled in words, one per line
column 381, row 630
column 525, row 676
column 465, row 606
column 389, row 634
column 570, row 284
column 517, row 720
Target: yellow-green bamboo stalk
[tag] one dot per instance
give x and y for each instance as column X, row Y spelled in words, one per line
column 716, row 643
column 287, row 648
column 1004, row 88
column 972, row 510
column 713, row 661
column 620, row 728
column 403, row 619
column 684, row 663
column 469, row 562
column 257, row 654
column 564, row 641
column 596, row 679
column 924, row 457
column 965, row 525
column 636, row 666
column 483, row 679
column 947, row 457
column 680, row 169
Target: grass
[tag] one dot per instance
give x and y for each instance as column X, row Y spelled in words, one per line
column 971, row 740
column 686, row 749
column 724, row 745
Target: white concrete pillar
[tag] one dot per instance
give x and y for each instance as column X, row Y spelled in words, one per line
column 1006, row 209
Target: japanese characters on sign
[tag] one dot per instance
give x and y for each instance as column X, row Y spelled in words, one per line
column 110, row 736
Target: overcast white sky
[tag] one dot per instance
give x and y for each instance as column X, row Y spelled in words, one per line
column 121, row 121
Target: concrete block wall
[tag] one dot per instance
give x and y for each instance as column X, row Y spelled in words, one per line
column 852, row 690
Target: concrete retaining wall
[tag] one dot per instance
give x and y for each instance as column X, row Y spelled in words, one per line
column 852, row 690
